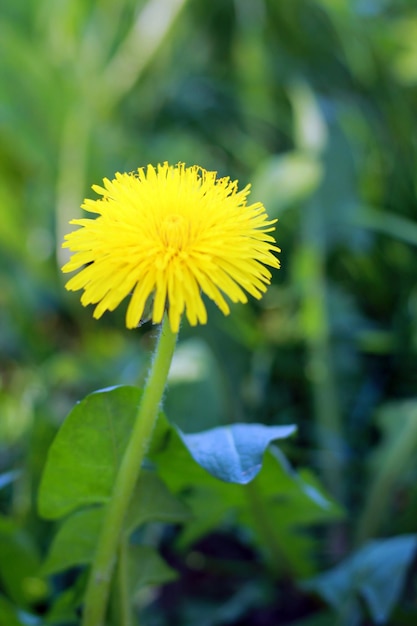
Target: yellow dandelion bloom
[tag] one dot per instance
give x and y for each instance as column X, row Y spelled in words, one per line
column 172, row 233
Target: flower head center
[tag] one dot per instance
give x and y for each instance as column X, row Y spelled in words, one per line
column 173, row 230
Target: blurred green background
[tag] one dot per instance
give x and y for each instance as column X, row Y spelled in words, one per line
column 314, row 103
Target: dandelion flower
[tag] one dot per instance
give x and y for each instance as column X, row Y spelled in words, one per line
column 171, row 233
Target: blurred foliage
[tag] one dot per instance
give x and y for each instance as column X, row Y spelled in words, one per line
column 313, row 101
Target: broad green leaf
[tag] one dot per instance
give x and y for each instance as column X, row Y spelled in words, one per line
column 301, row 497
column 207, row 497
column 376, row 573
column 211, row 508
column 174, row 463
column 278, row 498
column 234, row 453
column 288, row 503
column 75, row 541
column 148, row 568
column 84, row 457
column 152, row 501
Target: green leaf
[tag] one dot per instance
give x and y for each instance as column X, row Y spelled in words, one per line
column 376, row 573
column 174, row 462
column 279, row 499
column 84, row 457
column 146, row 567
column 288, row 503
column 64, row 608
column 75, row 541
column 234, row 453
column 210, row 508
column 152, row 501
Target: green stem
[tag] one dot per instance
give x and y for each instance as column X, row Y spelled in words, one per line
column 124, row 609
column 96, row 598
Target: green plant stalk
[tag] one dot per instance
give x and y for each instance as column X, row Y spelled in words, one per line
column 122, row 587
column 401, row 452
column 98, row 587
